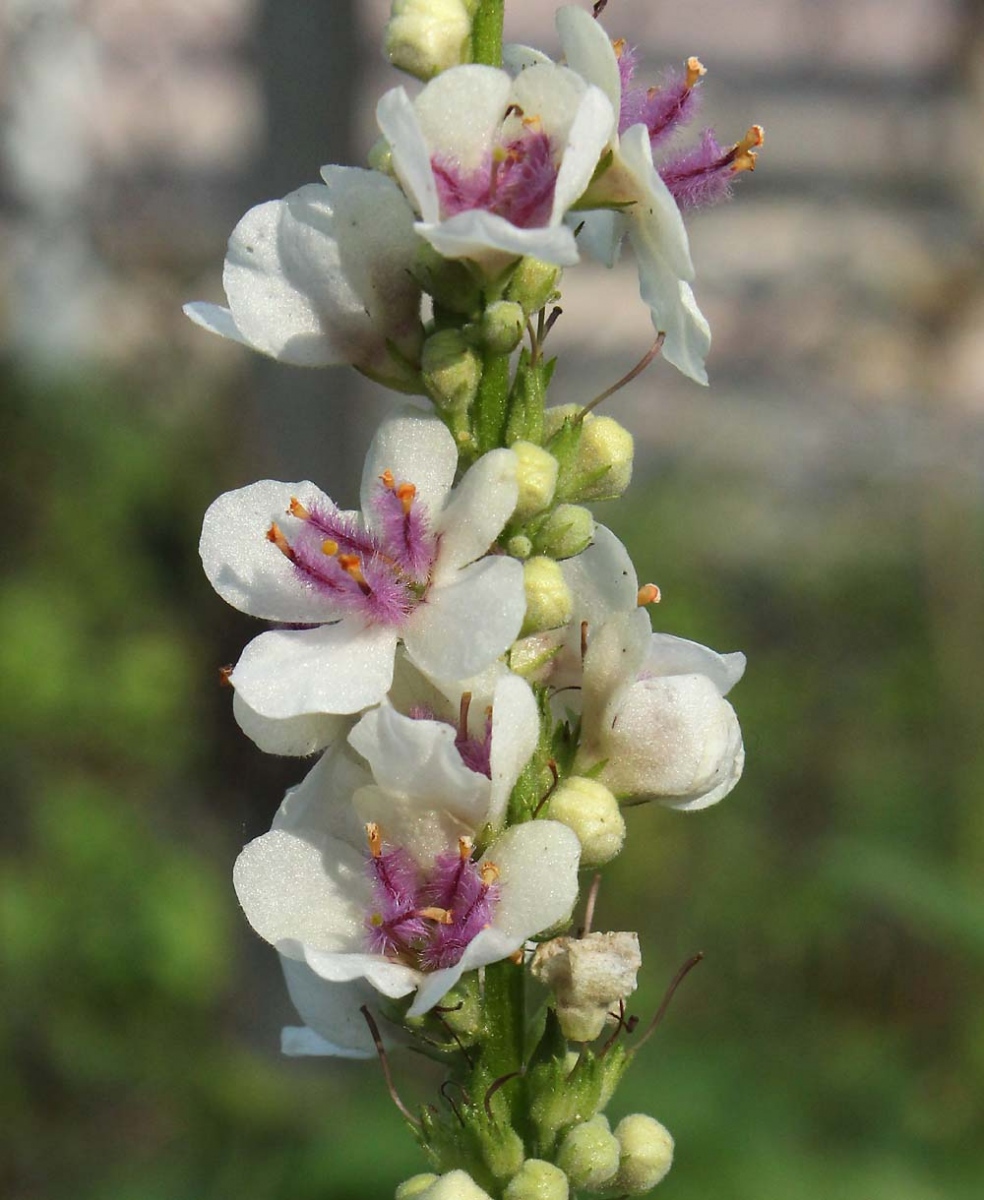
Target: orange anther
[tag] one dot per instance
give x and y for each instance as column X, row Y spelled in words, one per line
column 695, row 69
column 649, row 593
column 406, row 494
column 465, row 847
column 441, row 915
column 275, row 536
column 225, row 676
column 351, row 565
column 375, row 839
column 489, row 873
column 386, row 479
column 297, row 509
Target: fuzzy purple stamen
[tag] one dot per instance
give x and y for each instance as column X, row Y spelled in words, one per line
column 516, row 182
column 476, row 753
column 702, row 175
column 668, row 107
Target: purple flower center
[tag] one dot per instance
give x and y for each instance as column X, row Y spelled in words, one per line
column 378, row 567
column 516, row 180
column 427, row 918
column 475, row 751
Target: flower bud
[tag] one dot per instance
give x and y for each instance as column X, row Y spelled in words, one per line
column 536, row 473
column 503, row 323
column 588, row 977
column 567, row 531
column 589, row 1154
column 451, row 370
column 533, row 284
column 455, row 1185
column 425, row 37
column 448, row 280
column 604, row 458
column 411, row 1188
column 592, row 812
column 537, row 1180
column 646, row 1154
column 519, row 546
column 549, row 603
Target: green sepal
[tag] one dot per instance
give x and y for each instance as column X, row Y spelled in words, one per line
column 527, row 400
column 561, row 1096
column 536, row 778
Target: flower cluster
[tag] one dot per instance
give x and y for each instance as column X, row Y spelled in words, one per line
column 469, row 654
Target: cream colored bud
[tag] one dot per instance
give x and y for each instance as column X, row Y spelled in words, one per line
column 380, row 156
column 537, row 1180
column 425, row 37
column 451, row 370
column 589, row 1154
column 567, row 531
column 588, row 977
column 503, row 323
column 556, row 415
column 533, row 284
column 456, row 1185
column 592, row 812
column 646, row 1154
column 549, row 603
column 519, row 546
column 411, row 1188
column 605, row 446
column 536, row 474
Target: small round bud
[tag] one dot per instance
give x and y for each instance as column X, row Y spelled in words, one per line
column 456, row 1185
column 411, row 1188
column 592, row 812
column 533, row 284
column 605, row 447
column 588, row 977
column 646, row 1154
column 380, row 157
column 589, row 1154
column 503, row 323
column 519, row 546
column 425, row 37
column 549, row 603
column 451, row 370
column 567, row 531
column 537, row 1180
column 448, row 280
column 536, row 474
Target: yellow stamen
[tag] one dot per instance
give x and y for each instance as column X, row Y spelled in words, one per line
column 695, row 69
column 297, row 509
column 441, row 915
column 406, row 494
column 744, row 154
column 619, row 47
column 386, row 479
column 463, row 706
column 466, row 845
column 275, row 536
column 330, row 547
column 489, row 873
column 649, row 593
column 534, row 123
column 351, row 566
column 375, row 839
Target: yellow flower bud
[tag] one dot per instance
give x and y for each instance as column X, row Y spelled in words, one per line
column 411, row 1188
column 646, row 1154
column 605, row 445
column 425, row 37
column 533, row 284
column 503, row 323
column 592, row 812
column 589, row 1154
column 519, row 546
column 455, row 1185
column 537, row 1180
column 536, row 474
column 549, row 603
column 451, row 370
column 567, row 531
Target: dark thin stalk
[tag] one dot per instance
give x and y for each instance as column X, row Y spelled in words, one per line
column 638, row 369
column 384, row 1063
column 675, row 982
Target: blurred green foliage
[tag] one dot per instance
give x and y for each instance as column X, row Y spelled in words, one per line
column 832, row 1044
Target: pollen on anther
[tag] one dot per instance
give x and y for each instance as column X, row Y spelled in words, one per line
column 275, row 535
column 649, row 593
column 406, row 493
column 695, row 69
column 465, row 847
column 297, row 509
column 375, row 839
column 386, row 479
column 489, row 873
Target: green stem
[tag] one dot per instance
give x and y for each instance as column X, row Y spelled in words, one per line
column 487, row 33
column 505, row 1018
column 492, row 402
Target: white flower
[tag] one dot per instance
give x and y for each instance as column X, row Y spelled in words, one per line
column 492, row 164
column 416, row 912
column 411, row 567
column 321, row 277
column 643, row 208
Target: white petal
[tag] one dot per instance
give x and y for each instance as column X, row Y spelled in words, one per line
column 340, row 668
column 464, row 626
column 589, row 52
column 491, row 240
column 669, row 655
column 423, row 832
column 655, row 212
column 602, row 579
column 674, row 312
column 549, row 94
column 516, row 58
column 390, row 978
column 215, row 319
column 589, row 134
column 601, row 234
column 419, row 761
column 418, row 450
column 479, row 507
column 460, row 113
column 411, row 157
column 294, row 736
column 515, row 734
column 488, row 946
column 331, row 1013
column 245, row 568
column 296, row 893
column 616, row 653
column 320, row 807
column 537, row 864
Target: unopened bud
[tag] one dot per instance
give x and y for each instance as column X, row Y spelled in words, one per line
column 425, row 37
column 536, row 474
column 451, row 370
column 646, row 1154
column 604, row 458
column 533, row 284
column 592, row 812
column 567, row 531
column 448, row 280
column 519, row 546
column 549, row 603
column 589, row 1154
column 503, row 323
column 455, row 1185
column 413, row 1187
column 588, row 977
column 537, row 1180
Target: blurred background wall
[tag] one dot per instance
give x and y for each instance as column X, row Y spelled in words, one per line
column 820, row 507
